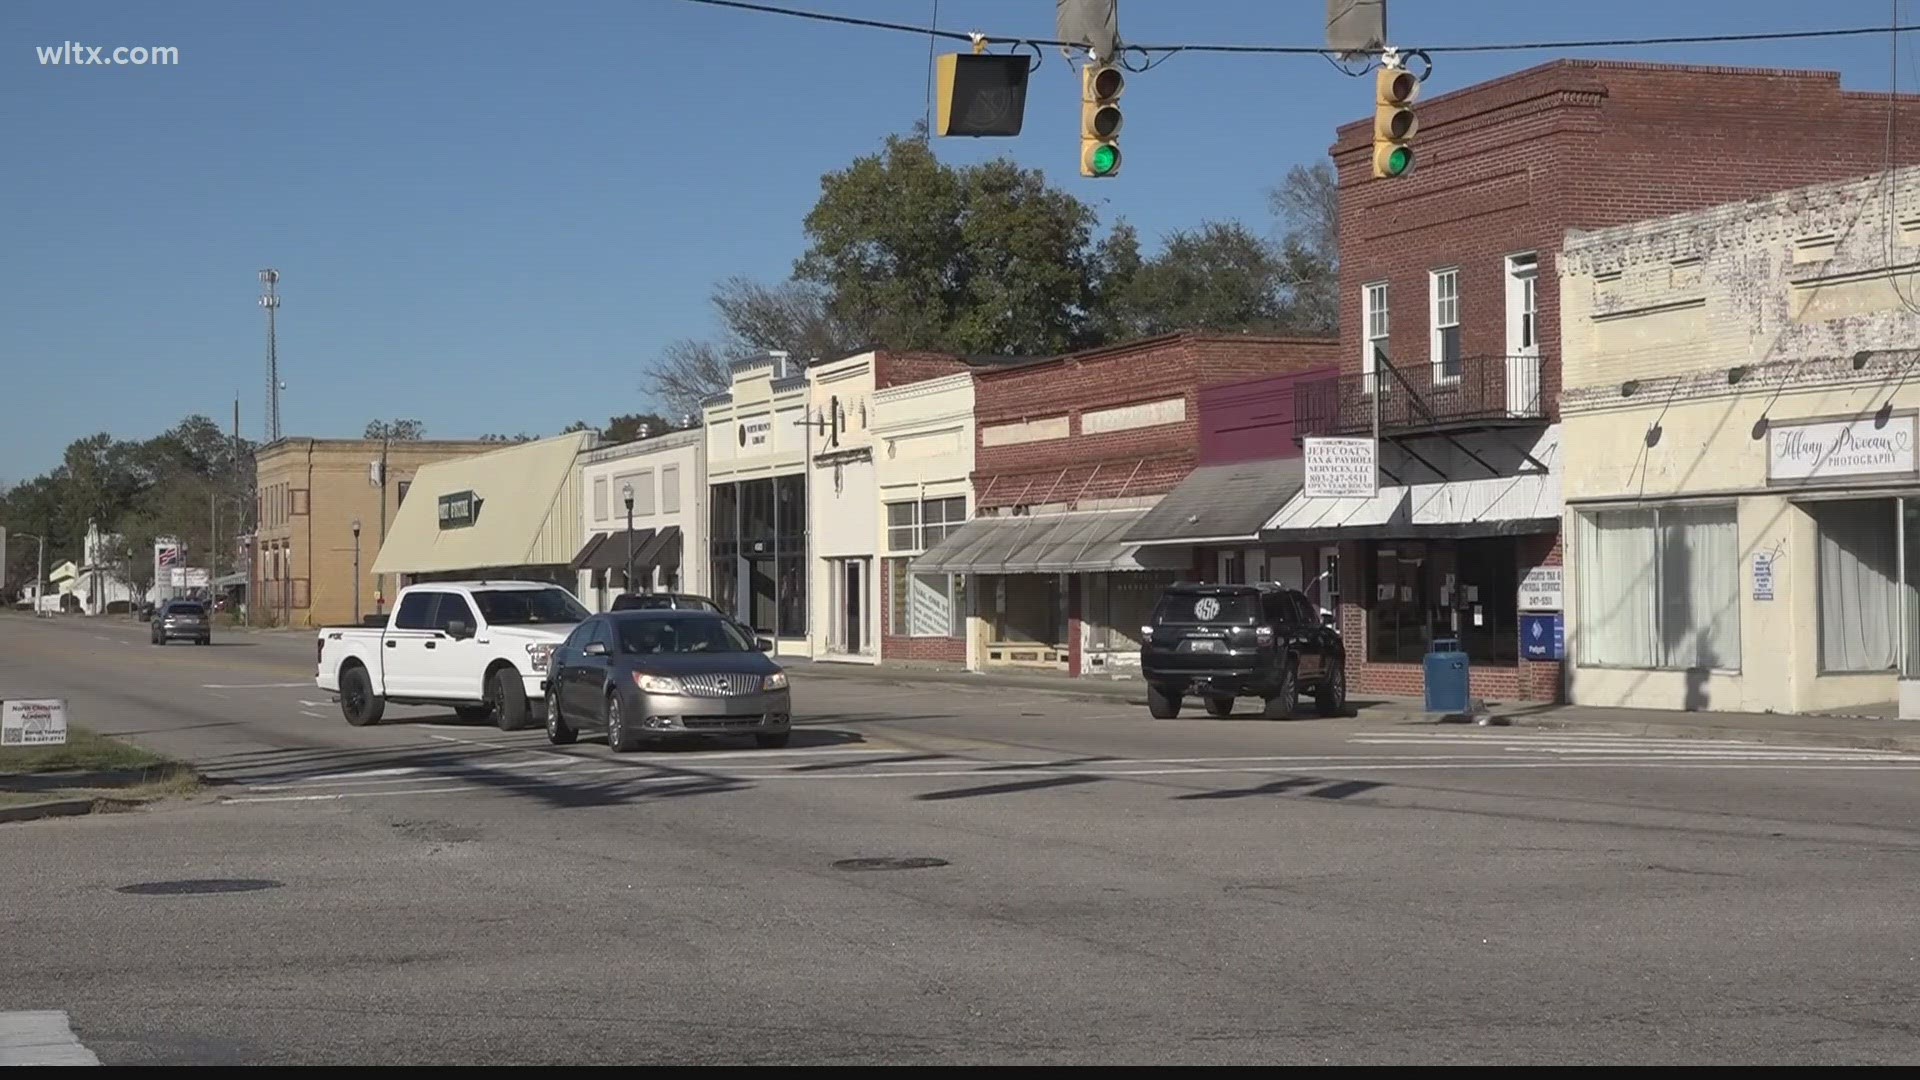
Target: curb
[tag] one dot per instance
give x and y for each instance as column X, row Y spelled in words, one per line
column 1665, row 730
column 50, row 808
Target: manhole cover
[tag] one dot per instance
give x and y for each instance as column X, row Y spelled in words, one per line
column 197, row 886
column 915, row 862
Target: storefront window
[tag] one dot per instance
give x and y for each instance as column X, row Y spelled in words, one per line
column 1026, row 609
column 756, row 517
column 792, row 585
column 1398, row 627
column 1118, row 605
column 724, row 572
column 1859, row 585
column 1660, row 588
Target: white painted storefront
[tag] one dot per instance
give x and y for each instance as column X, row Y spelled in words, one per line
column 667, row 475
column 843, row 510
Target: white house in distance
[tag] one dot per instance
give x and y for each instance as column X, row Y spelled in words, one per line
column 667, row 476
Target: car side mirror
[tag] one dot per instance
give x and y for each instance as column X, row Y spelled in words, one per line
column 761, row 644
column 457, row 629
column 594, row 648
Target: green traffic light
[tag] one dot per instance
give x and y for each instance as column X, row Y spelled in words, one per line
column 1399, row 161
column 1105, row 160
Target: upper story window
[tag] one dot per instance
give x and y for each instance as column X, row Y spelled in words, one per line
column 1373, row 316
column 1523, row 328
column 1443, row 287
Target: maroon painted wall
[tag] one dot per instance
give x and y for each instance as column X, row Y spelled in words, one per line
column 1251, row 420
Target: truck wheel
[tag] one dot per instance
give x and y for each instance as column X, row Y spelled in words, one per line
column 358, row 703
column 1162, row 705
column 473, row 712
column 1285, row 698
column 1219, row 706
column 508, row 700
column 1330, row 698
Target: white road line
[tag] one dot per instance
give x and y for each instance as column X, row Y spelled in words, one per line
column 41, row 1038
column 1541, row 741
column 315, row 715
column 254, row 686
column 315, row 704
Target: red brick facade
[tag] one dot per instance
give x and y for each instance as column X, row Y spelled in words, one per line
column 1508, row 167
column 1138, row 461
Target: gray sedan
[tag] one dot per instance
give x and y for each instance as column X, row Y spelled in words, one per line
column 646, row 675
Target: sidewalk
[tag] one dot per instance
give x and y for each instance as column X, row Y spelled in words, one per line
column 1770, row 728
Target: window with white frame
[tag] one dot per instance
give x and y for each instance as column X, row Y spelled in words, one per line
column 1523, row 337
column 1659, row 588
column 917, row 526
column 1443, row 288
column 925, row 605
column 670, row 489
column 1373, row 315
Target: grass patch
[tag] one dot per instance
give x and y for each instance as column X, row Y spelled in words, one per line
column 85, row 751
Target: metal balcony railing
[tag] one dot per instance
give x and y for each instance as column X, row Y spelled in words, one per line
column 1473, row 391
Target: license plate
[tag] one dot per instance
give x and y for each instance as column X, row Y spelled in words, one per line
column 1205, row 645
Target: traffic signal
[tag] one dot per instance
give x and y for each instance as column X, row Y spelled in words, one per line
column 982, row 94
column 1100, row 88
column 1393, row 122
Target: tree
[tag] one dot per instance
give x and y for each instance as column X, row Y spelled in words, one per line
column 1216, row 277
column 396, row 430
column 1308, row 205
column 911, row 253
column 686, row 373
column 756, row 319
column 520, row 438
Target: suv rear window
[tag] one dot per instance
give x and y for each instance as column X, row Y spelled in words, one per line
column 186, row 609
column 1192, row 608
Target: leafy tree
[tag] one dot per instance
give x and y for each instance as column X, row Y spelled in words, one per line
column 1216, row 277
column 520, row 438
column 756, row 319
column 396, row 430
column 1308, row 205
column 912, row 253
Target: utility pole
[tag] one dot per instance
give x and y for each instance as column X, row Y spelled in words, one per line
column 239, row 505
column 356, row 571
column 379, row 589
column 271, row 301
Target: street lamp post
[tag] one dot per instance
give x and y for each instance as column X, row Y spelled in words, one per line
column 626, row 494
column 356, row 571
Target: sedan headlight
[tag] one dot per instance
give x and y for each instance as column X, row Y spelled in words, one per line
column 539, row 654
column 656, row 684
column 775, row 681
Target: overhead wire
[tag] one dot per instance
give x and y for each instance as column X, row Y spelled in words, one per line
column 1316, row 50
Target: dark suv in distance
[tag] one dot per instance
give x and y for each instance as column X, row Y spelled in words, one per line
column 1221, row 642
column 182, row 620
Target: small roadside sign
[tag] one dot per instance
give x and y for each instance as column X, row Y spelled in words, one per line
column 33, row 722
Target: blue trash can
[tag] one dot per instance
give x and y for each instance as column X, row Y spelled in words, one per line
column 1446, row 677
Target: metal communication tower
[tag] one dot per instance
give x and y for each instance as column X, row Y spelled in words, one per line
column 271, row 301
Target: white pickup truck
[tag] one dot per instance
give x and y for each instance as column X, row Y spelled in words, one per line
column 478, row 646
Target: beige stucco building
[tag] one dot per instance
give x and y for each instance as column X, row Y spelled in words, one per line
column 309, row 494
column 666, row 475
column 1743, row 495
column 757, row 499
column 923, row 438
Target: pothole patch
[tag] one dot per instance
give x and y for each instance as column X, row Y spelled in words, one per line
column 198, row 886
column 910, row 862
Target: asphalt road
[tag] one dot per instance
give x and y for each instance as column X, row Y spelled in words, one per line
column 1112, row 889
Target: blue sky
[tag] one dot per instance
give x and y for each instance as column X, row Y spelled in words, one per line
column 491, row 215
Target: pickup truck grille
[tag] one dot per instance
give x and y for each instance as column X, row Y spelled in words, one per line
column 725, row 684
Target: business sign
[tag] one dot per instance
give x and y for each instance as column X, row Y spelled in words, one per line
column 458, row 510
column 1834, row 449
column 33, row 722
column 1762, row 575
column 1341, row 469
column 1543, row 636
column 1543, row 589
column 755, row 432
column 189, row 577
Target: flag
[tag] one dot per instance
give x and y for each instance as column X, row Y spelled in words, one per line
column 168, row 556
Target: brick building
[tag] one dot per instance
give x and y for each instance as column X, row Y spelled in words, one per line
column 1450, row 308
column 309, row 492
column 1070, row 453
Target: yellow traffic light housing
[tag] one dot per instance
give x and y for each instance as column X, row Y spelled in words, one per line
column 981, row 94
column 1100, row 89
column 1393, row 122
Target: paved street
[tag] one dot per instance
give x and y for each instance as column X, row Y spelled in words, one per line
column 1102, row 888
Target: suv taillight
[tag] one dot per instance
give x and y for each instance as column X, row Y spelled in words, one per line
column 1146, row 633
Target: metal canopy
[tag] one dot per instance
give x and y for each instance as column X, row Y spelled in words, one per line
column 1077, row 542
column 1221, row 502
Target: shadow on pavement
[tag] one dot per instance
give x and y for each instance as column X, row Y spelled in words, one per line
column 1334, row 789
column 1010, row 788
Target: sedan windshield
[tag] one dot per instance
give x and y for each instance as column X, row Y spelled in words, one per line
column 694, row 633
column 528, row 607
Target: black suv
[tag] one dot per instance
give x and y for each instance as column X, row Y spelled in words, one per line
column 1219, row 642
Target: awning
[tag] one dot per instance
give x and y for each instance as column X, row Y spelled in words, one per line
column 665, row 542
column 515, row 506
column 611, row 553
column 587, row 549
column 1220, row 503
column 1078, row 542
